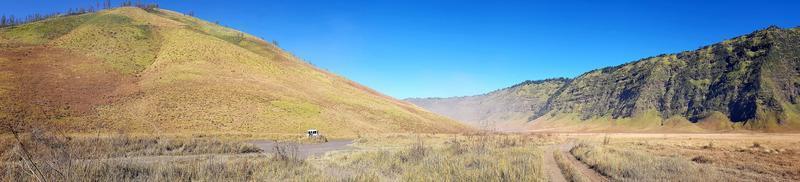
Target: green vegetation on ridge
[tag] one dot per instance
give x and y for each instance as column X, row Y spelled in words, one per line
column 748, row 82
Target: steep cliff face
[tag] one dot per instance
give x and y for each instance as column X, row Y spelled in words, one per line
column 751, row 79
column 503, row 109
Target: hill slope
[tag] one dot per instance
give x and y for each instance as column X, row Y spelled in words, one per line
column 504, row 109
column 750, row 82
column 140, row 70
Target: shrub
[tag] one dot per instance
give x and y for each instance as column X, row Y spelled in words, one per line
column 456, row 147
column 756, row 145
column 701, row 159
column 288, row 153
column 709, row 146
column 417, row 150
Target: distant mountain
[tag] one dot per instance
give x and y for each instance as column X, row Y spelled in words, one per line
column 505, row 109
column 157, row 71
column 748, row 82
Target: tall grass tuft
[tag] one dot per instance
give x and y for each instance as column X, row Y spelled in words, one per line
column 287, row 153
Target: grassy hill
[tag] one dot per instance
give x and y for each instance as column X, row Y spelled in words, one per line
column 158, row 71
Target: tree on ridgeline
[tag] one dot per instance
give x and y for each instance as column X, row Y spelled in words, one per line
column 150, row 7
column 6, row 21
column 11, row 20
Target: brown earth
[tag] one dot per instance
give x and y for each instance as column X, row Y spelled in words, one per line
column 53, row 82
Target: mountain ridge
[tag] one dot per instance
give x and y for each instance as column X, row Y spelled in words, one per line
column 493, row 109
column 750, row 79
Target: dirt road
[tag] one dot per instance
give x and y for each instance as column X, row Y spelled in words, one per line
column 553, row 172
column 556, row 174
column 306, row 150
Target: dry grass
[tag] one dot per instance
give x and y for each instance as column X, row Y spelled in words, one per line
column 629, row 165
column 120, row 146
column 124, row 45
column 213, row 161
column 402, row 157
column 184, row 75
column 411, row 158
column 443, row 158
column 45, row 156
column 693, row 157
column 246, row 168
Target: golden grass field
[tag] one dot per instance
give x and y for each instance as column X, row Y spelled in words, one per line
column 408, row 157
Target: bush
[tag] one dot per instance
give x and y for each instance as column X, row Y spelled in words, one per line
column 701, row 159
column 709, row 146
column 417, row 150
column 756, row 145
column 287, row 153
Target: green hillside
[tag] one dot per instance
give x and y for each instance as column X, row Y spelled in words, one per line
column 157, row 71
column 749, row 82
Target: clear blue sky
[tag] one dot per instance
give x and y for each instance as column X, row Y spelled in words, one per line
column 453, row 48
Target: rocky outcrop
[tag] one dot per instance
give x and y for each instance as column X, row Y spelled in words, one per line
column 749, row 78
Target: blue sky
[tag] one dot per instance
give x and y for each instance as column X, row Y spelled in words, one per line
column 453, row 48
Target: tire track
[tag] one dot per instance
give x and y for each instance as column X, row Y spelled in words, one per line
column 553, row 172
column 585, row 170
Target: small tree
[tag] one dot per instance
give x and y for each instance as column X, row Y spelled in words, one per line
column 239, row 37
column 11, row 21
column 152, row 6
